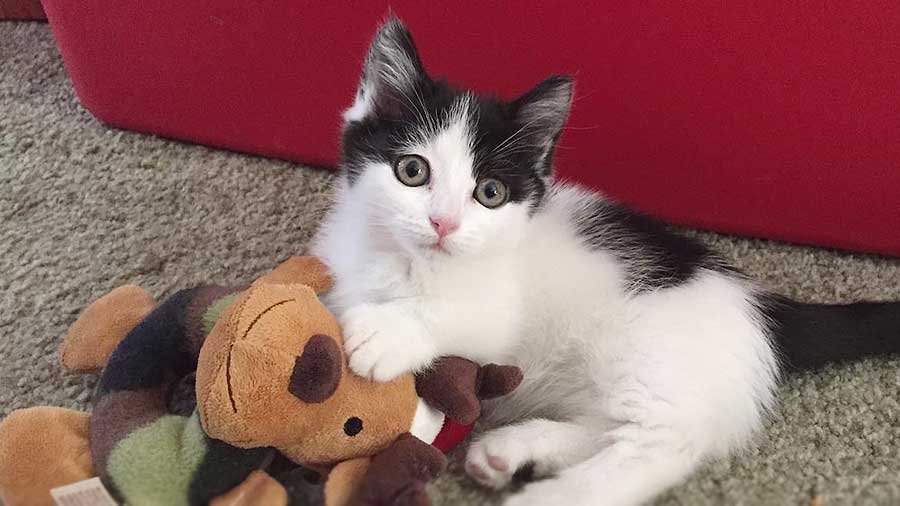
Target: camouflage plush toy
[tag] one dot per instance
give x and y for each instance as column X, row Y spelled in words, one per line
column 273, row 391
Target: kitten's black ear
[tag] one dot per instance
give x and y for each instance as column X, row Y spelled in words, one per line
column 542, row 112
column 391, row 72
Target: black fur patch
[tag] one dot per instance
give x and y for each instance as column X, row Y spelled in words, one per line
column 655, row 256
column 809, row 336
column 504, row 150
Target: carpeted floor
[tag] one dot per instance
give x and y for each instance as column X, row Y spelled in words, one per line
column 85, row 208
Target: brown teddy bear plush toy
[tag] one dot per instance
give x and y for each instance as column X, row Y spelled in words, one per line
column 271, row 381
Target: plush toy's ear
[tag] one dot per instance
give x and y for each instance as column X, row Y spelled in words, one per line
column 307, row 270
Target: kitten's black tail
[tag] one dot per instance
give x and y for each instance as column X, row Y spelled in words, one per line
column 811, row 335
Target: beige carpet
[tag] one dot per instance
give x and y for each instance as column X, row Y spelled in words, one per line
column 85, row 208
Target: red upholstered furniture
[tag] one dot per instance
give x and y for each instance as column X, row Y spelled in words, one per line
column 21, row 9
column 771, row 118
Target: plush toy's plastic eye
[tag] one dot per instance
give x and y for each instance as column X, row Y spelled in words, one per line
column 412, row 170
column 352, row 426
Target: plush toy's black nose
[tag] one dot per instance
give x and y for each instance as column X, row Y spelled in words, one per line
column 352, row 426
column 317, row 371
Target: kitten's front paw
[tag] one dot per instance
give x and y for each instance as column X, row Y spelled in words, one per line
column 384, row 342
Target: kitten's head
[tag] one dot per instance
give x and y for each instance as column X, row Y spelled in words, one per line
column 441, row 171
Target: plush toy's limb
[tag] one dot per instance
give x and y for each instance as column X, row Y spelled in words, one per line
column 301, row 270
column 101, row 326
column 399, row 473
column 259, row 489
column 171, row 461
column 344, row 479
column 224, row 467
column 42, row 448
column 455, row 386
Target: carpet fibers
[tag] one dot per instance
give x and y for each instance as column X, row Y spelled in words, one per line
column 85, row 208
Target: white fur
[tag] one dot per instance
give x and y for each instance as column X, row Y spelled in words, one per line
column 362, row 106
column 625, row 392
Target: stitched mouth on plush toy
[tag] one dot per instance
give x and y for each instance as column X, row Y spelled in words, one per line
column 230, row 348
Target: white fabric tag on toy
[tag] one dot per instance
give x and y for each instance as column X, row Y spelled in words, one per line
column 90, row 492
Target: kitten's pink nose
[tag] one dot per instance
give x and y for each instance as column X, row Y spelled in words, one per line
column 444, row 225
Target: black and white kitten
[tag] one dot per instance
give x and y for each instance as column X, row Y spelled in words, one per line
column 644, row 353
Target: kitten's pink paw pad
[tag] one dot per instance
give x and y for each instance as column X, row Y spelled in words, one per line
column 477, row 473
column 492, row 460
column 497, row 463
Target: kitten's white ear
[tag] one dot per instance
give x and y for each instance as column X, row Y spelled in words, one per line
column 542, row 112
column 391, row 72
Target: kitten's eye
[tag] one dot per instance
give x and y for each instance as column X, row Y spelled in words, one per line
column 412, row 170
column 491, row 193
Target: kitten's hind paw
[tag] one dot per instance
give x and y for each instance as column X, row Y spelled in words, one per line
column 545, row 445
column 493, row 461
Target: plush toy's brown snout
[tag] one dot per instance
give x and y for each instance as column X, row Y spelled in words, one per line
column 272, row 373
